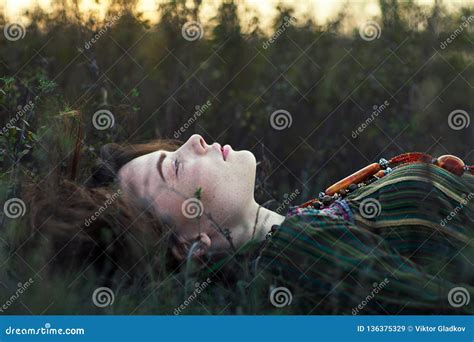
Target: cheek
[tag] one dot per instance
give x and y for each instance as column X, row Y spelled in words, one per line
column 184, row 213
column 240, row 172
column 212, row 176
column 225, row 188
column 231, row 187
column 180, row 210
column 204, row 176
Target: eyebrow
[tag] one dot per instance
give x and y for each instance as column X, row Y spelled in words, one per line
column 159, row 166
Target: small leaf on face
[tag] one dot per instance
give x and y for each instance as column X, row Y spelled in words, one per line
column 198, row 192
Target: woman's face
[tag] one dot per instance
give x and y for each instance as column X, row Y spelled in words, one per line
column 167, row 180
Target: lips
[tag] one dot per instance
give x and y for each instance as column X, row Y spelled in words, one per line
column 225, row 151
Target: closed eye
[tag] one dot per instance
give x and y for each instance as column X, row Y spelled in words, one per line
column 176, row 166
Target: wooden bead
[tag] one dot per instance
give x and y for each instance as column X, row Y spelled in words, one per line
column 380, row 174
column 311, row 203
column 451, row 163
column 356, row 177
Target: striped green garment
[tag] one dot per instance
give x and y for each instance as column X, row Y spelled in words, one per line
column 405, row 246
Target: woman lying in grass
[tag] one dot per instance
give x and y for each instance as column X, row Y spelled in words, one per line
column 402, row 244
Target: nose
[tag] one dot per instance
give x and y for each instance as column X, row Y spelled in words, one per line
column 197, row 144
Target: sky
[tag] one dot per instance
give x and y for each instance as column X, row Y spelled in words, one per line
column 318, row 10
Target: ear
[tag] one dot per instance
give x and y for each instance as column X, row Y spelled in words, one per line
column 182, row 247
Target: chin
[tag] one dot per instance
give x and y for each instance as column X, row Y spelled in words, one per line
column 248, row 167
column 244, row 167
column 248, row 161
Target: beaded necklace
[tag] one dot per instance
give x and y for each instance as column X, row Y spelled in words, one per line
column 375, row 171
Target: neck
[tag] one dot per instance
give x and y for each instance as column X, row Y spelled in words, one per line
column 256, row 225
column 266, row 219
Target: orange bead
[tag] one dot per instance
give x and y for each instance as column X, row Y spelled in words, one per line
column 355, row 178
column 380, row 174
column 451, row 163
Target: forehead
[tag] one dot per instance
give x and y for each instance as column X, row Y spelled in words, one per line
column 135, row 174
column 140, row 179
column 143, row 160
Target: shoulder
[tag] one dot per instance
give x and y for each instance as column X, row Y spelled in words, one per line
column 416, row 178
column 305, row 238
